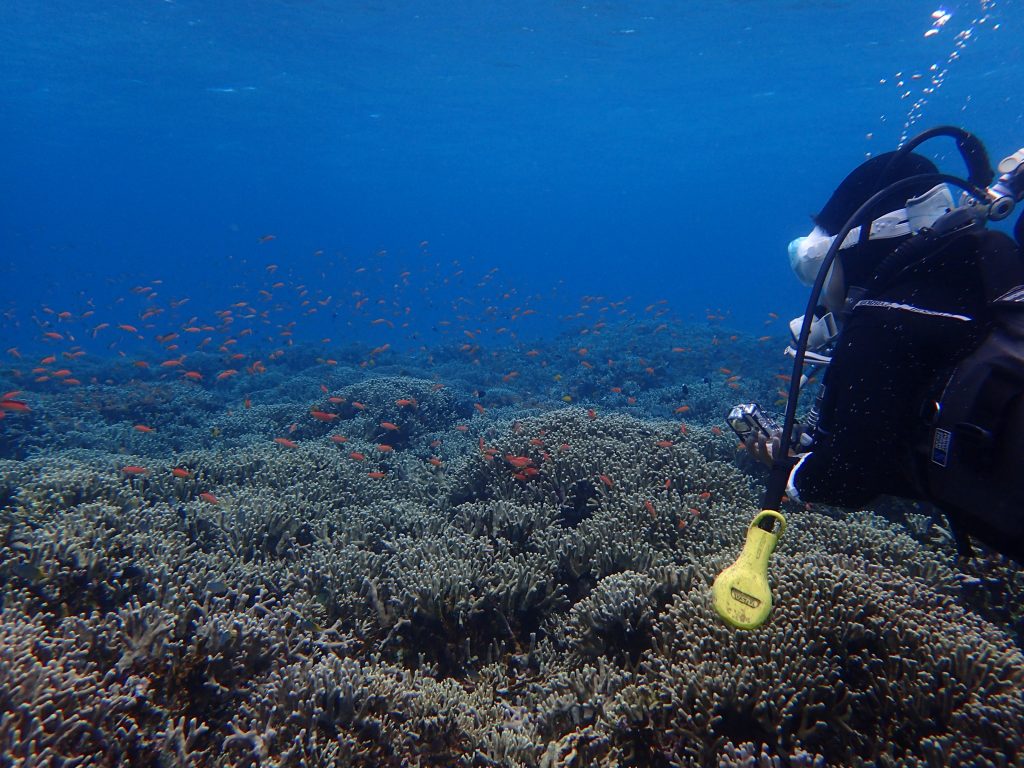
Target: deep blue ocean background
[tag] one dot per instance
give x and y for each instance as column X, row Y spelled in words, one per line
column 653, row 150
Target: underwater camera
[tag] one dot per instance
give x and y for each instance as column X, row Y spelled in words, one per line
column 748, row 418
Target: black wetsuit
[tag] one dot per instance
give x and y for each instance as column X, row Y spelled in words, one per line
column 895, row 350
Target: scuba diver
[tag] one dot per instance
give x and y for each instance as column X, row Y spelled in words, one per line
column 917, row 317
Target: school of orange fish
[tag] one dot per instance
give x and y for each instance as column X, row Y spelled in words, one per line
column 140, row 337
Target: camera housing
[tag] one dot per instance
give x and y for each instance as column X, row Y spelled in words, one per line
column 746, row 419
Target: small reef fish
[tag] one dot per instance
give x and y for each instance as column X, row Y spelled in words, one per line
column 284, row 441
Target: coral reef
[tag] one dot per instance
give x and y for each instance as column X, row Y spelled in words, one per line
column 524, row 584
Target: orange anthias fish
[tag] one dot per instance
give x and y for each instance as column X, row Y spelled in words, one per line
column 284, row 441
column 323, row 415
column 519, row 462
column 182, row 473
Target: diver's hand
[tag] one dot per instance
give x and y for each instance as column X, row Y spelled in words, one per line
column 762, row 448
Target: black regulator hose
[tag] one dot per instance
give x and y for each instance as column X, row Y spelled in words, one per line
column 972, row 151
column 975, row 157
column 783, row 463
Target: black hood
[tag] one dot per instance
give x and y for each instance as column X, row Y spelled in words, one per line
column 859, row 263
column 865, row 180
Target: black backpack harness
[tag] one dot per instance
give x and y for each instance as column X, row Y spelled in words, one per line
column 970, row 458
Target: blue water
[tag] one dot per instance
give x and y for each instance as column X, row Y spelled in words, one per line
column 656, row 150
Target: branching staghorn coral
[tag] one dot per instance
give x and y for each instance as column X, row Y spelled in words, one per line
column 455, row 614
column 59, row 703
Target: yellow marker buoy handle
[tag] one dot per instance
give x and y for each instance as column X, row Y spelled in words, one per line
column 741, row 594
